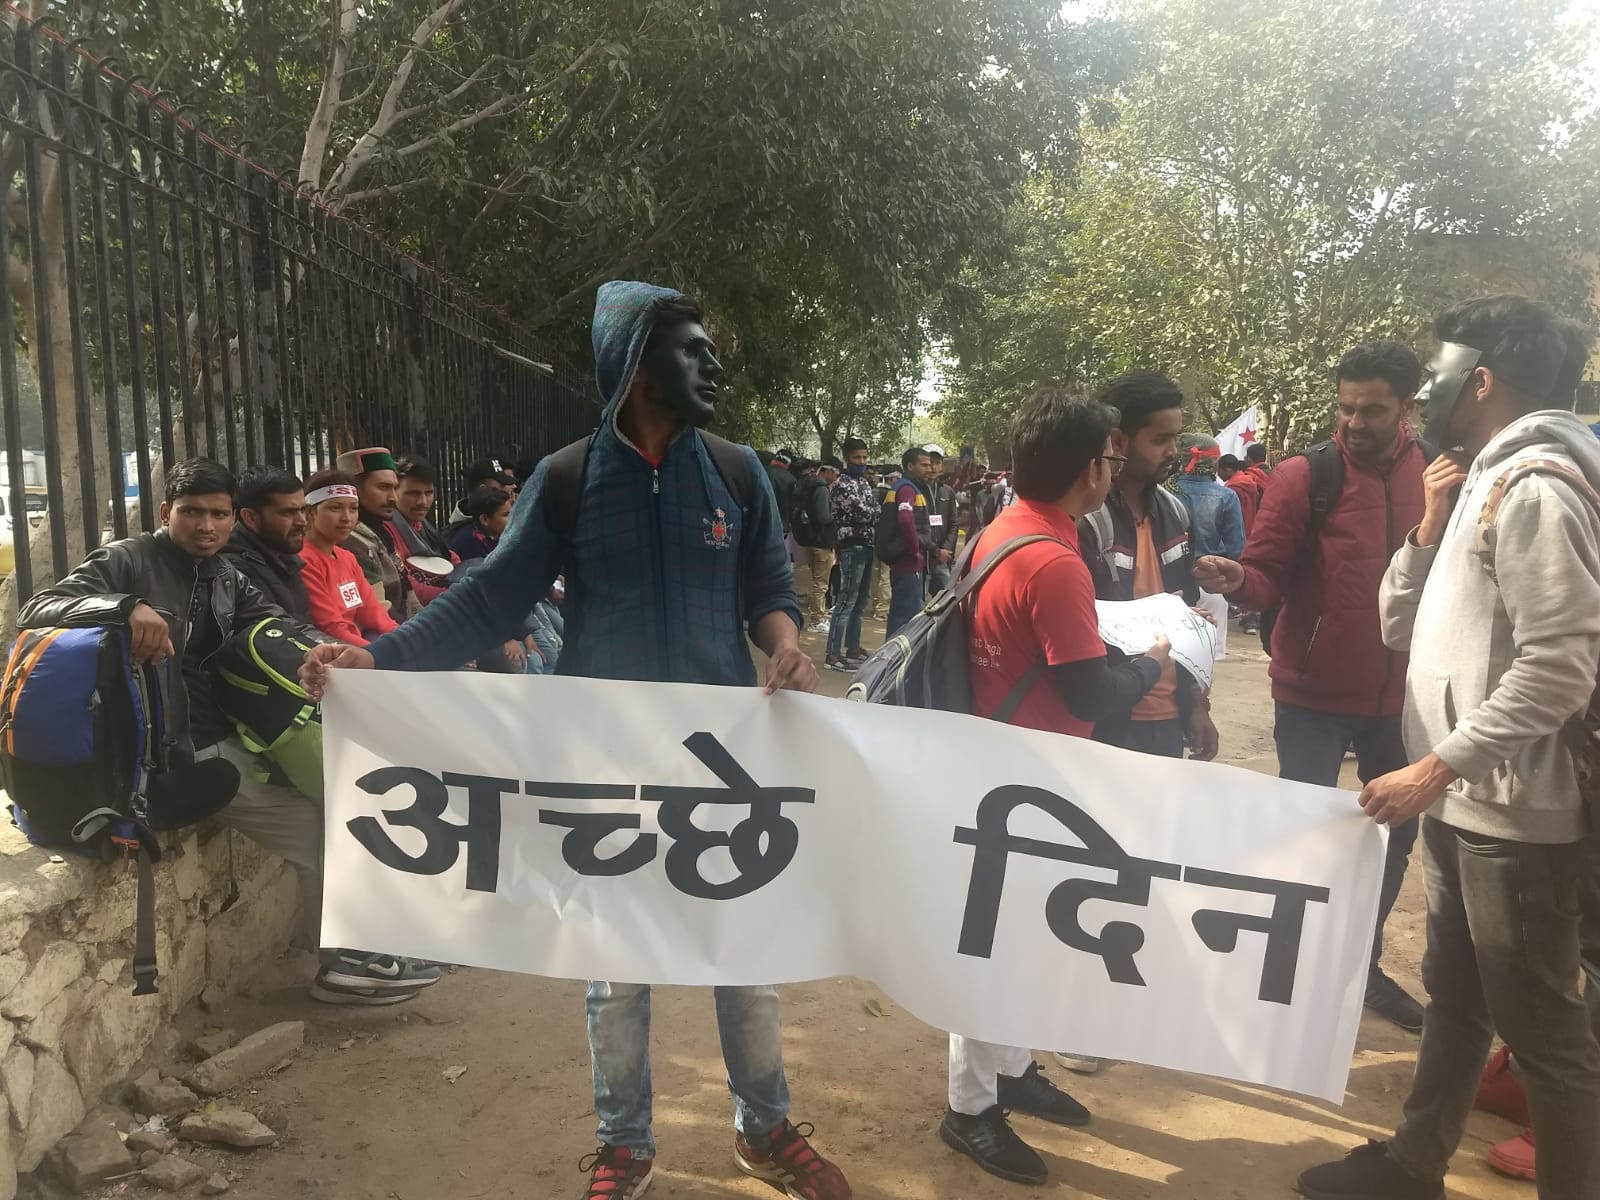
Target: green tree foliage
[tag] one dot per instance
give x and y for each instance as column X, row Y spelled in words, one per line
column 1285, row 178
column 782, row 159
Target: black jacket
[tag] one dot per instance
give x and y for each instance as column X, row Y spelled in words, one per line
column 813, row 493
column 783, row 482
column 275, row 574
column 942, row 503
column 107, row 586
column 1108, row 541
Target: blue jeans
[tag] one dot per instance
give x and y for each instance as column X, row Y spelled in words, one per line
column 1311, row 747
column 850, row 604
column 619, row 1047
column 907, row 594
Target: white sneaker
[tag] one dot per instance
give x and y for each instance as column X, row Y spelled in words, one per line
column 822, row 626
column 1083, row 1064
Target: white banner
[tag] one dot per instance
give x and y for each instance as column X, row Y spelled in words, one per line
column 1006, row 884
column 1241, row 434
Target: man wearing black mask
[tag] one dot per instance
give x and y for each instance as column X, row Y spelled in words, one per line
column 703, row 565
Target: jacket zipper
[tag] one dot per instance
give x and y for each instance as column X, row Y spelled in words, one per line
column 661, row 583
column 1305, row 659
column 1388, row 542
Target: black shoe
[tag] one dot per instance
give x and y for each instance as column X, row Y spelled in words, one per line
column 1366, row 1173
column 989, row 1141
column 1035, row 1095
column 1391, row 1002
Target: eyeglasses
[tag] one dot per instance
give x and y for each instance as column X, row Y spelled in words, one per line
column 1115, row 461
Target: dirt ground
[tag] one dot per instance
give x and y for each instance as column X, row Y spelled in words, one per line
column 366, row 1113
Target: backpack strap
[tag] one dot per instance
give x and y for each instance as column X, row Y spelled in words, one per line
column 1327, row 483
column 562, row 488
column 733, row 464
column 1489, row 516
column 1105, row 537
column 957, row 593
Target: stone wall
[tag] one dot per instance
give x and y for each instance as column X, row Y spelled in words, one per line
column 70, row 1027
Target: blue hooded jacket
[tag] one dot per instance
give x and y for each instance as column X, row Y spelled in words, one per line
column 656, row 553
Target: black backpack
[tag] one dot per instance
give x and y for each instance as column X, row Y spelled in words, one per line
column 802, row 521
column 927, row 664
column 887, row 541
column 1327, row 484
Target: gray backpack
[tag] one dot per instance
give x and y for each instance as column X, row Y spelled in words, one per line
column 926, row 664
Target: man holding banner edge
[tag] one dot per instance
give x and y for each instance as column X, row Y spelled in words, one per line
column 648, row 497
column 1037, row 607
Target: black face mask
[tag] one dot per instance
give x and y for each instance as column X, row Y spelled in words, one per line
column 681, row 371
column 1451, row 368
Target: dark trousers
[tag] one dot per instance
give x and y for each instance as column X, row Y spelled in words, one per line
column 907, row 595
column 1503, row 955
column 1311, row 749
column 1164, row 739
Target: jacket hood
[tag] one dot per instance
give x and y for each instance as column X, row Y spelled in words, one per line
column 1537, row 431
column 623, row 322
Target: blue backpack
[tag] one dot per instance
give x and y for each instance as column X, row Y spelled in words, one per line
column 83, row 758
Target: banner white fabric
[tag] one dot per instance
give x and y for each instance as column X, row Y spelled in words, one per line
column 1242, row 432
column 1006, row 884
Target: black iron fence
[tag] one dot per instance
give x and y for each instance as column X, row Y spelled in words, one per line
column 162, row 297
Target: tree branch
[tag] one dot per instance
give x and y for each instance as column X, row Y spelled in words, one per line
column 320, row 129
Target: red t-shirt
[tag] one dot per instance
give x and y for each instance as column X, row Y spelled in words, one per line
column 343, row 604
column 1039, row 601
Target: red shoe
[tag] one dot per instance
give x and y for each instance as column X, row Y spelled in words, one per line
column 616, row 1173
column 789, row 1164
column 1515, row 1158
column 1500, row 1092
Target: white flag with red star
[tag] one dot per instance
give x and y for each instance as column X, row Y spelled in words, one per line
column 1241, row 435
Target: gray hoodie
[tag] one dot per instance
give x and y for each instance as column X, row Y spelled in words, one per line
column 1499, row 663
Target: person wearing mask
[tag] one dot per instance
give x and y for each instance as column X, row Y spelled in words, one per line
column 1038, row 605
column 343, row 604
column 490, row 508
column 941, row 522
column 1336, row 686
column 415, row 535
column 855, row 513
column 269, row 529
column 683, row 601
column 374, row 541
column 1138, row 545
column 1495, row 594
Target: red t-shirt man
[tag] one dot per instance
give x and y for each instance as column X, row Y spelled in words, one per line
column 1038, row 603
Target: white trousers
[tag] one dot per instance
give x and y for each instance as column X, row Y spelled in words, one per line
column 974, row 1069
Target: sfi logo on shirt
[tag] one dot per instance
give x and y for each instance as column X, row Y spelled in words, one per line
column 350, row 594
column 718, row 535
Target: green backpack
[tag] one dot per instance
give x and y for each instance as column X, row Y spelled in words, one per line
column 256, row 684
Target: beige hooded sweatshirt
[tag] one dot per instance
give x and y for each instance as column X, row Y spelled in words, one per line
column 1500, row 662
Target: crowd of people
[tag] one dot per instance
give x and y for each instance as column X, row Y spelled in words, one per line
column 1433, row 607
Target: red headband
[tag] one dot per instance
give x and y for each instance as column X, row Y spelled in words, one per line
column 1196, row 454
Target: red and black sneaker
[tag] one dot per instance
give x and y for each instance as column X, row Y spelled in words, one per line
column 616, row 1173
column 789, row 1164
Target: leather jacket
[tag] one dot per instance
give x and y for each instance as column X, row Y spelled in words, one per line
column 151, row 569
